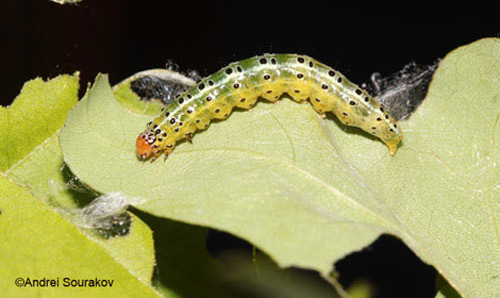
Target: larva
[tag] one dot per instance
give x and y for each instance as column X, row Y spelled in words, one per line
column 241, row 83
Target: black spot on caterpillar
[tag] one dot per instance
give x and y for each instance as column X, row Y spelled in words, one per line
column 241, row 83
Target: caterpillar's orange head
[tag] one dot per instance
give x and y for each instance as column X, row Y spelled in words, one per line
column 143, row 144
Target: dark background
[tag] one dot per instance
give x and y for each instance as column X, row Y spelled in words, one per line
column 42, row 38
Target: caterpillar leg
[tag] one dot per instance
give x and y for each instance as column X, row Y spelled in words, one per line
column 270, row 95
column 167, row 152
column 220, row 111
column 189, row 137
column 320, row 110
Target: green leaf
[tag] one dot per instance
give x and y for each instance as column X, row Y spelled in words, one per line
column 39, row 243
column 184, row 266
column 36, row 114
column 41, row 168
column 43, row 171
column 308, row 191
column 444, row 289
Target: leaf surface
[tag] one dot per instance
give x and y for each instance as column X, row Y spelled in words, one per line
column 37, row 243
column 36, row 165
column 308, row 191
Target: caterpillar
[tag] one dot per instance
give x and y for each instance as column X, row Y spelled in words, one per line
column 241, row 83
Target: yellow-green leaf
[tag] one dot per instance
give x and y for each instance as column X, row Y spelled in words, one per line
column 43, row 171
column 308, row 190
column 36, row 114
column 38, row 243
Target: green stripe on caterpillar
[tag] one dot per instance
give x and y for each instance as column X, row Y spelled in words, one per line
column 268, row 76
